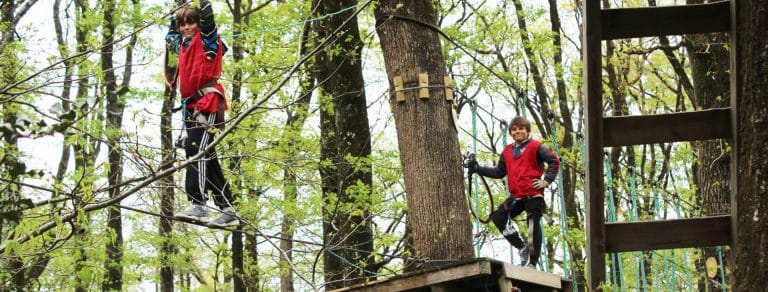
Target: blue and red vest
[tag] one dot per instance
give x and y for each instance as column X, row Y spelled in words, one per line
column 521, row 171
column 195, row 70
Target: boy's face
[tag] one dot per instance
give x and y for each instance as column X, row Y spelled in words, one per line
column 189, row 28
column 519, row 133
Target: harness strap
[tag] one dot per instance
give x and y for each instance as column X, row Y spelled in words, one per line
column 205, row 89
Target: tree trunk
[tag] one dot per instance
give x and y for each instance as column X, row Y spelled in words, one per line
column 710, row 77
column 427, row 139
column 567, row 173
column 85, row 150
column 238, row 49
column 167, row 248
column 9, row 152
column 347, row 227
column 297, row 115
column 113, row 265
column 750, row 170
column 540, row 117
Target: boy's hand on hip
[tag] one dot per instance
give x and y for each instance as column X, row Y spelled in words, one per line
column 540, row 184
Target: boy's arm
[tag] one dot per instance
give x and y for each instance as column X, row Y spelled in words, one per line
column 494, row 172
column 173, row 38
column 553, row 162
column 208, row 30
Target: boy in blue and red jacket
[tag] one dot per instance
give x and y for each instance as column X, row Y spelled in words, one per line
column 193, row 34
column 522, row 162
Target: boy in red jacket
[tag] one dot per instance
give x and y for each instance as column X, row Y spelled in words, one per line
column 522, row 162
column 193, row 34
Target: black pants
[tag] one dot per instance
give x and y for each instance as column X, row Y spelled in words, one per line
column 205, row 174
column 534, row 207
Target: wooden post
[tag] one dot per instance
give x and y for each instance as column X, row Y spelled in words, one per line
column 594, row 144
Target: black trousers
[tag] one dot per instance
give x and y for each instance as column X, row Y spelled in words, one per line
column 204, row 175
column 511, row 208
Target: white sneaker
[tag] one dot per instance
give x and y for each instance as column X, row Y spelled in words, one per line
column 226, row 219
column 194, row 212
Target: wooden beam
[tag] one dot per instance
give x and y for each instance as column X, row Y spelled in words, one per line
column 593, row 114
column 666, row 234
column 624, row 23
column 685, row 126
column 533, row 276
column 472, row 270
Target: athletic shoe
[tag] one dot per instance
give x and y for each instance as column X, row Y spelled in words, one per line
column 194, row 212
column 227, row 218
column 524, row 255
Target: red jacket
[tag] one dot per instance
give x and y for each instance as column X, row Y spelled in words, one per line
column 521, row 171
column 195, row 70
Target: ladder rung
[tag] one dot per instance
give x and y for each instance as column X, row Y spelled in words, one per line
column 666, row 234
column 674, row 127
column 623, row 23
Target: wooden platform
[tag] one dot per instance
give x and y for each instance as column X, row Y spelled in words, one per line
column 480, row 274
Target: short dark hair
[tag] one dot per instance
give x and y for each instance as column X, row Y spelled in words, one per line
column 187, row 15
column 519, row 121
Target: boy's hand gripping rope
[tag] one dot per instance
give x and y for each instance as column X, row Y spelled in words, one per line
column 470, row 163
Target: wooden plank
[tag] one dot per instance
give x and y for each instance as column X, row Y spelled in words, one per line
column 533, row 276
column 680, row 233
column 663, row 128
column 595, row 199
column 666, row 20
column 471, row 270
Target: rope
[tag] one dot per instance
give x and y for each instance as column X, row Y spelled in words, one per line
column 616, row 265
column 722, row 267
column 473, row 107
column 567, row 267
column 297, row 23
column 640, row 274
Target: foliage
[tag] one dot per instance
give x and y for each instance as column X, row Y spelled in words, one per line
column 484, row 54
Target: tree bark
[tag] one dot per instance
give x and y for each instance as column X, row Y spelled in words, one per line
column 347, row 226
column 297, row 115
column 167, row 248
column 749, row 205
column 710, row 77
column 114, row 111
column 567, row 173
column 427, row 139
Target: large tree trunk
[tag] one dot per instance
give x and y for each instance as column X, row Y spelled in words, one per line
column 750, row 170
column 427, row 139
column 347, row 228
column 709, row 73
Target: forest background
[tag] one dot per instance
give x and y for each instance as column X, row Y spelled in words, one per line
column 90, row 176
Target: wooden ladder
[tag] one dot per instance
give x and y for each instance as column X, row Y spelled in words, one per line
column 607, row 24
